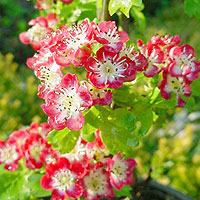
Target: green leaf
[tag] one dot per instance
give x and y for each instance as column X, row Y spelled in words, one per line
column 124, row 192
column 166, row 104
column 63, row 140
column 123, row 6
column 117, row 130
column 139, row 18
column 191, row 7
column 195, row 87
column 144, row 117
column 20, row 185
column 35, row 187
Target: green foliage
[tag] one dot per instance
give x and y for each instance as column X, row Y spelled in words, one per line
column 123, row 6
column 76, row 11
column 19, row 104
column 63, row 140
column 191, row 7
column 14, row 17
column 124, row 192
column 21, row 185
column 117, row 130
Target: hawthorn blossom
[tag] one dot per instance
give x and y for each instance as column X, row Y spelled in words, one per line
column 42, row 129
column 10, row 154
column 33, row 147
column 176, row 85
column 65, row 103
column 99, row 96
column 75, row 46
column 44, row 4
column 109, row 70
column 155, row 57
column 106, row 33
column 121, row 171
column 41, row 26
column 96, row 149
column 19, row 137
column 183, row 62
column 63, row 179
column 97, row 183
column 50, row 76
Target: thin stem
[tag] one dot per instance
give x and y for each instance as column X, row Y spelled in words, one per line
column 124, row 22
column 102, row 11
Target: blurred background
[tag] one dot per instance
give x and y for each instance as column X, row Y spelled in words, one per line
column 173, row 152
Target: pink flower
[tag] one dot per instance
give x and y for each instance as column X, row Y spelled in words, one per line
column 42, row 129
column 176, row 85
column 19, row 137
column 96, row 149
column 10, row 154
column 97, row 183
column 41, row 26
column 75, row 46
column 106, row 33
column 121, row 171
column 63, row 179
column 165, row 42
column 109, row 70
column 33, row 148
column 64, row 104
column 99, row 96
column 183, row 62
column 155, row 57
column 44, row 4
column 50, row 76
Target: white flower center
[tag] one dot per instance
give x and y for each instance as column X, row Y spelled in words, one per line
column 77, row 37
column 119, row 170
column 37, row 33
column 8, row 154
column 96, row 183
column 49, row 76
column 112, row 36
column 109, row 69
column 63, row 180
column 69, row 103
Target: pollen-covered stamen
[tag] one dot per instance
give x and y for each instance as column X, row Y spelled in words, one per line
column 110, row 69
column 37, row 33
column 35, row 149
column 119, row 170
column 77, row 37
column 8, row 154
column 69, row 103
column 49, row 76
column 176, row 85
column 111, row 36
column 63, row 180
column 96, row 183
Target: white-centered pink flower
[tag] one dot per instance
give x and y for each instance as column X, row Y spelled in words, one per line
column 109, row 69
column 65, row 103
column 121, row 171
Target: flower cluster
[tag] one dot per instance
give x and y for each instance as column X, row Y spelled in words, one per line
column 41, row 26
column 73, row 47
column 29, row 143
column 175, row 63
column 101, row 50
column 88, row 171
